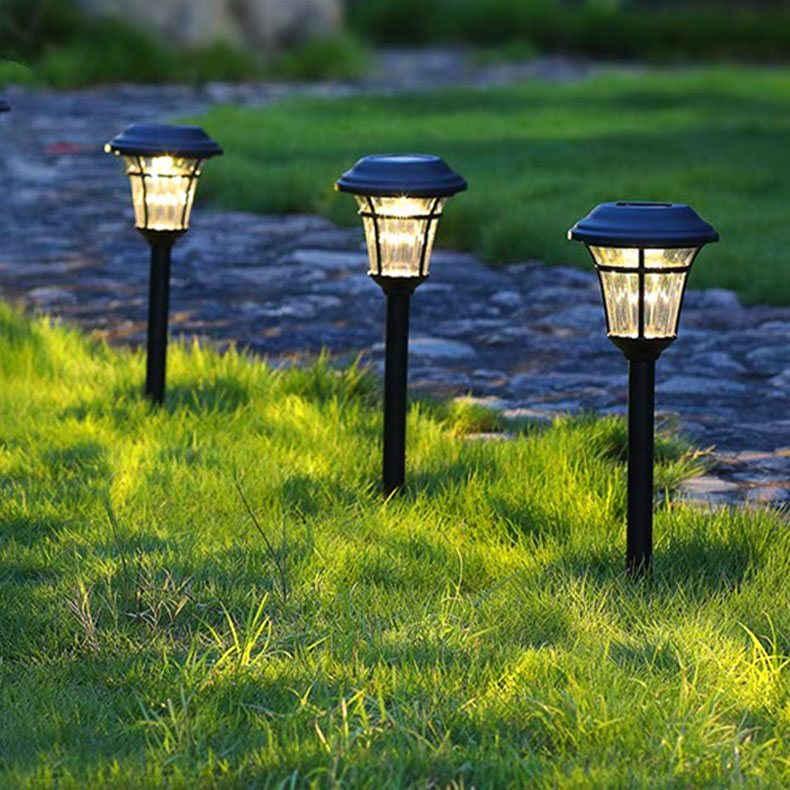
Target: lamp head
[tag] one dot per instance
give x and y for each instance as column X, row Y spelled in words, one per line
column 401, row 198
column 643, row 253
column 163, row 164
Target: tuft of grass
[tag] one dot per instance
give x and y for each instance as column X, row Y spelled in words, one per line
column 539, row 156
column 213, row 594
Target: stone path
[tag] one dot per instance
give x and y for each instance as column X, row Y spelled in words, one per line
column 527, row 339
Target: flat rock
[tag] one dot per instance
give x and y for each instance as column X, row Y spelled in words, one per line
column 770, row 360
column 698, row 385
column 333, row 260
column 707, row 484
column 440, row 348
column 768, row 495
column 588, row 317
column 529, row 415
column 712, row 299
column 50, row 296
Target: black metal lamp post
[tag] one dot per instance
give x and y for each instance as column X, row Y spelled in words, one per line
column 163, row 164
column 643, row 253
column 401, row 198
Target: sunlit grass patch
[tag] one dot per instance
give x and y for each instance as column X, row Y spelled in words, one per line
column 215, row 594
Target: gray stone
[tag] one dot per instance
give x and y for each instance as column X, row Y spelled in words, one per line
column 707, row 484
column 51, row 296
column 719, row 361
column 330, row 260
column 508, row 299
column 504, row 336
column 564, row 295
column 712, row 299
column 770, row 360
column 768, row 495
column 440, row 348
column 583, row 278
column 776, row 328
column 588, row 317
column 699, row 385
column 488, row 375
column 782, row 381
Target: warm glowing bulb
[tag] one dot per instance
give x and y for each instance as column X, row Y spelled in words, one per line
column 163, row 190
column 661, row 289
column 161, row 166
column 400, row 233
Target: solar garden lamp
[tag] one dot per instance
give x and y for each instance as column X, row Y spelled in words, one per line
column 163, row 164
column 643, row 253
column 401, row 198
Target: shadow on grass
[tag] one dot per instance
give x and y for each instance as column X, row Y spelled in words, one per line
column 28, row 530
column 309, row 496
column 699, row 567
column 703, row 567
column 439, row 480
column 528, row 519
column 653, row 656
column 222, row 395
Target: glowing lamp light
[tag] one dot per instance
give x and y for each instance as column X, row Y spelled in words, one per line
column 163, row 164
column 643, row 253
column 401, row 198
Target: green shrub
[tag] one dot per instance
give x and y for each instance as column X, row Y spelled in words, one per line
column 338, row 57
column 599, row 28
column 62, row 48
column 28, row 27
column 16, row 73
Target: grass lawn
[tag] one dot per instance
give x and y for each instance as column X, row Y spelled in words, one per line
column 538, row 156
column 475, row 633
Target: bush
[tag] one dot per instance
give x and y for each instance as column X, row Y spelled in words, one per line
column 62, row 48
column 599, row 28
column 338, row 57
column 28, row 27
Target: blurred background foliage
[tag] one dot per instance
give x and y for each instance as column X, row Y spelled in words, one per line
column 656, row 30
column 53, row 42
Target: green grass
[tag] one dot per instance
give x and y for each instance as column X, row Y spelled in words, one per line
column 539, row 156
column 476, row 632
column 599, row 28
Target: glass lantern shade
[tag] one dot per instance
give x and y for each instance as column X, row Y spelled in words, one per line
column 163, row 191
column 643, row 253
column 400, row 233
column 401, row 198
column 642, row 289
column 163, row 164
